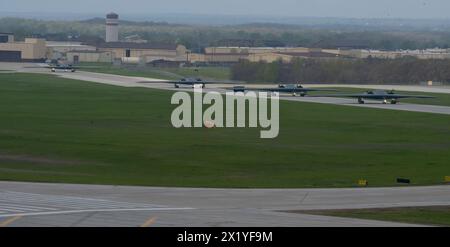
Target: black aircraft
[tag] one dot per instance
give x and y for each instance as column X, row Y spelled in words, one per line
column 383, row 95
column 192, row 82
column 60, row 66
column 63, row 67
column 294, row 89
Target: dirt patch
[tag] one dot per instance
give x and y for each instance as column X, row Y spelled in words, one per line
column 37, row 160
column 44, row 172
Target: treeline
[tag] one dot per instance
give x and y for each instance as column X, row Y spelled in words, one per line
column 196, row 37
column 345, row 71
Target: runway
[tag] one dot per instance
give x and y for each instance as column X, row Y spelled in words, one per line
column 129, row 81
column 152, row 83
column 41, row 204
column 411, row 88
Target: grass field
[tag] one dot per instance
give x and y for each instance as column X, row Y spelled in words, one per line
column 216, row 73
column 59, row 130
column 439, row 98
column 438, row 215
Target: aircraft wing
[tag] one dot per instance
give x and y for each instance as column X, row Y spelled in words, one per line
column 347, row 95
column 242, row 89
column 210, row 82
column 85, row 67
column 39, row 66
column 404, row 96
column 49, row 67
column 159, row 81
column 318, row 90
column 46, row 66
column 193, row 82
column 375, row 96
column 170, row 82
column 278, row 90
column 281, row 90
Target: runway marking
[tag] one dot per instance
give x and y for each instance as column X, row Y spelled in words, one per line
column 4, row 206
column 149, row 222
column 94, row 210
column 304, row 197
column 9, row 221
column 27, row 204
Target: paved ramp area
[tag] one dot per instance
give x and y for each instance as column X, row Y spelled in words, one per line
column 43, row 204
column 28, row 204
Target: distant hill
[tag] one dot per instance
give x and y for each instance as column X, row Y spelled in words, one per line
column 98, row 20
column 313, row 32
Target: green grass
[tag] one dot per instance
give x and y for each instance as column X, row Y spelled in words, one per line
column 59, row 130
column 436, row 215
column 216, row 73
column 439, row 98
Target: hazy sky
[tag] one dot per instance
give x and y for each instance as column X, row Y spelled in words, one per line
column 292, row 8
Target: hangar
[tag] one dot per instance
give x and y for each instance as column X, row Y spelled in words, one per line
column 30, row 50
column 146, row 51
column 89, row 56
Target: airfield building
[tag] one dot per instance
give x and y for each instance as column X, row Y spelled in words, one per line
column 145, row 52
column 66, row 46
column 112, row 27
column 6, row 37
column 89, row 56
column 420, row 54
column 260, row 54
column 59, row 49
column 30, row 50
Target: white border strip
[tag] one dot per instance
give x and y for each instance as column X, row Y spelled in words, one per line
column 92, row 210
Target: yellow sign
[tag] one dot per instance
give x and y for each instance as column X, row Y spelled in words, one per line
column 447, row 179
column 363, row 182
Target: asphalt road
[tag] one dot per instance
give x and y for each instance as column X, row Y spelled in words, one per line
column 40, row 204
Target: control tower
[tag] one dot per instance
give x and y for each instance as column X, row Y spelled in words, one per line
column 112, row 27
